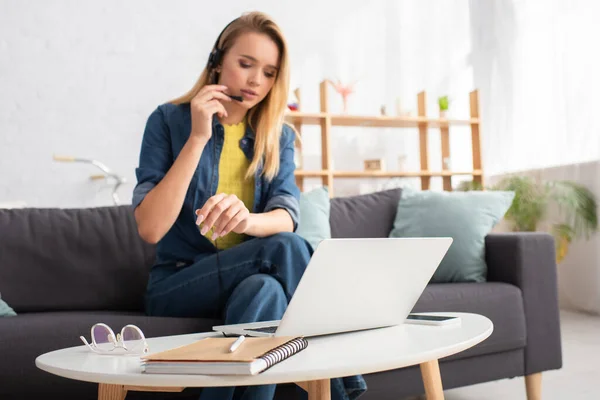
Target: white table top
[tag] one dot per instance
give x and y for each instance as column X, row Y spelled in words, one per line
column 325, row 357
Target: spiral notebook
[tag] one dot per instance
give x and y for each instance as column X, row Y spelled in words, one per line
column 211, row 356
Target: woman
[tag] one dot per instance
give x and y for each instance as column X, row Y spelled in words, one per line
column 216, row 192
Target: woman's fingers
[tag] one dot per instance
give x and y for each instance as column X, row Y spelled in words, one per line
column 204, row 212
column 203, row 94
column 214, row 106
column 235, row 221
column 222, row 213
column 211, row 88
column 226, row 217
column 213, row 95
column 218, row 207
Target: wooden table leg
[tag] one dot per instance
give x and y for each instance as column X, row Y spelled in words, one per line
column 432, row 380
column 111, row 392
column 317, row 390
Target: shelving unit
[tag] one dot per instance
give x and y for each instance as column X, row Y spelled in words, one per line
column 326, row 120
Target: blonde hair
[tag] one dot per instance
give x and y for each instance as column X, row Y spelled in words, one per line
column 266, row 118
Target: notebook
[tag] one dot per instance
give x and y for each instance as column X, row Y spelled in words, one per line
column 211, row 356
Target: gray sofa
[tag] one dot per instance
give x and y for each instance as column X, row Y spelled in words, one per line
column 62, row 270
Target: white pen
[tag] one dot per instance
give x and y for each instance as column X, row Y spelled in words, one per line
column 237, row 343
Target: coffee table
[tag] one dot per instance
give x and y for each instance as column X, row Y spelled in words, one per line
column 325, row 357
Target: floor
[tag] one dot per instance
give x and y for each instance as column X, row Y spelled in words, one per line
column 579, row 379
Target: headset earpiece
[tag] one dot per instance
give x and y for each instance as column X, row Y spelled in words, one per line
column 215, row 58
column 215, row 55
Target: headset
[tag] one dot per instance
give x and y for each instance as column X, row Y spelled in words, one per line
column 214, row 59
column 216, row 53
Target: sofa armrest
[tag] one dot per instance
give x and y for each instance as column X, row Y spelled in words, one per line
column 527, row 260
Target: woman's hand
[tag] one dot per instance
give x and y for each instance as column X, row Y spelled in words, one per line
column 203, row 106
column 224, row 213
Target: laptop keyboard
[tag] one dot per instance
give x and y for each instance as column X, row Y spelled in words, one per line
column 266, row 329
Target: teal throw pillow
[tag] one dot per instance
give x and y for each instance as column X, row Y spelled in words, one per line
column 467, row 217
column 314, row 216
column 5, row 310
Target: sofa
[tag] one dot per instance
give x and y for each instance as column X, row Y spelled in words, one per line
column 62, row 270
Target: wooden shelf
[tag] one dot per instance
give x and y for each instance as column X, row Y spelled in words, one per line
column 441, row 122
column 384, row 174
column 394, row 122
column 326, row 121
column 311, row 174
column 295, row 117
column 375, row 121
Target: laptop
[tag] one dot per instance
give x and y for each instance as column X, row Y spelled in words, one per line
column 354, row 284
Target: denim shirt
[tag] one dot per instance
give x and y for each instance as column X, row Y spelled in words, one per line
column 166, row 132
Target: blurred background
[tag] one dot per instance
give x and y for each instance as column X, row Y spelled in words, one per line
column 80, row 78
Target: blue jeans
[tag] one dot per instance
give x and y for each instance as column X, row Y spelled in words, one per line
column 257, row 281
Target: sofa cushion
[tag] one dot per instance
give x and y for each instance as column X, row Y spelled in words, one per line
column 313, row 225
column 62, row 328
column 6, row 310
column 72, row 259
column 502, row 303
column 364, row 216
column 466, row 217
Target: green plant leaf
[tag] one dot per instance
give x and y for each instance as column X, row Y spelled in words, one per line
column 443, row 102
column 563, row 231
column 529, row 205
column 578, row 206
column 466, row 186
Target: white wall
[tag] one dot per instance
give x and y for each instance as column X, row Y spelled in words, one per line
column 79, row 78
column 540, row 82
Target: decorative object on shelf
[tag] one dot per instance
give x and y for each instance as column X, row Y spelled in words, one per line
column 577, row 207
column 117, row 180
column 400, row 111
column 402, row 162
column 295, row 105
column 444, row 103
column 375, row 165
column 382, row 110
column 447, row 163
column 344, row 91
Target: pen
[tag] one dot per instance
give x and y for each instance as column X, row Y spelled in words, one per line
column 237, row 343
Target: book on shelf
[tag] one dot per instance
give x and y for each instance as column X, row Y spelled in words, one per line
column 211, row 356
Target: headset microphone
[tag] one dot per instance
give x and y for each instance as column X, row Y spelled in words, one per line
column 238, row 98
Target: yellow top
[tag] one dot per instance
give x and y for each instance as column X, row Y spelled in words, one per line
column 233, row 166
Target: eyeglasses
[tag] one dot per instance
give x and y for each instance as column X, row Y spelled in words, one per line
column 131, row 340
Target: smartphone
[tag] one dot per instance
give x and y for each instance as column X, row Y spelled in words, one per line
column 437, row 320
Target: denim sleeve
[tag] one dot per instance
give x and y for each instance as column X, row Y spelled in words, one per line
column 284, row 193
column 155, row 156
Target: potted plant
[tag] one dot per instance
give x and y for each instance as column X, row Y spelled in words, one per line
column 444, row 103
column 576, row 205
